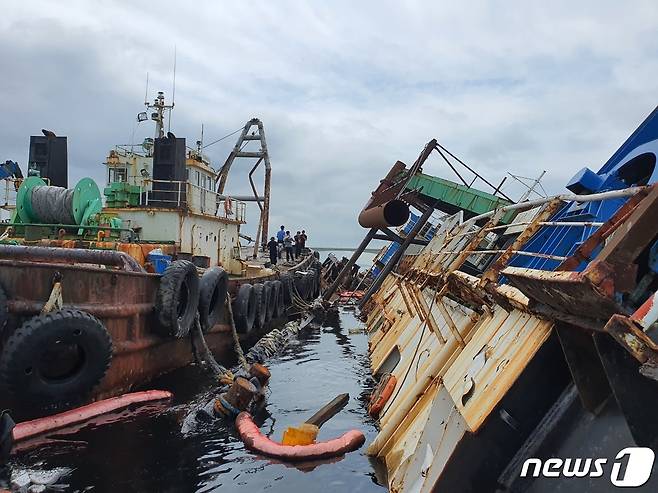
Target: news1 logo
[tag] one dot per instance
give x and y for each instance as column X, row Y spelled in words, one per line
column 631, row 468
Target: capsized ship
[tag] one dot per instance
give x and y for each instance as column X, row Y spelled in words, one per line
column 97, row 299
column 521, row 331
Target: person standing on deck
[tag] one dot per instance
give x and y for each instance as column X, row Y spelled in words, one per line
column 298, row 245
column 273, row 247
column 302, row 241
column 287, row 243
column 279, row 238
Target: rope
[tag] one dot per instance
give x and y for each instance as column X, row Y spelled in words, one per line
column 234, row 332
column 204, row 353
column 222, row 138
column 53, row 205
column 272, row 342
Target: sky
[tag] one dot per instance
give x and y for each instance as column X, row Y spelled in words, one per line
column 343, row 88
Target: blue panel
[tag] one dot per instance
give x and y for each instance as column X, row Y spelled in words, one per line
column 394, row 246
column 633, row 163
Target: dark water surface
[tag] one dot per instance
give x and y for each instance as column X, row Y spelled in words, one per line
column 150, row 453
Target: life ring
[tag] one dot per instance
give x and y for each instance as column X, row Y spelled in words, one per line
column 381, row 394
column 177, row 298
column 244, row 308
column 55, row 359
column 212, row 297
column 254, row 440
column 271, row 300
column 261, row 305
column 227, row 206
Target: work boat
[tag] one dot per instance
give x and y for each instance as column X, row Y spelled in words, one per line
column 516, row 340
column 99, row 293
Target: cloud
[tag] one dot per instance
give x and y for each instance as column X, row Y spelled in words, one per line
column 344, row 89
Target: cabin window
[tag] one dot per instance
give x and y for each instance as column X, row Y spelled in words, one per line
column 198, row 179
column 117, row 174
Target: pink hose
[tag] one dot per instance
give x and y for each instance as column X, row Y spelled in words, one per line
column 29, row 429
column 256, row 441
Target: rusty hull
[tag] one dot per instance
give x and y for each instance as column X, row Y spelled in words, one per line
column 124, row 302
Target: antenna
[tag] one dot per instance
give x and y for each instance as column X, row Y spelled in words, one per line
column 146, row 92
column 173, row 91
column 536, row 182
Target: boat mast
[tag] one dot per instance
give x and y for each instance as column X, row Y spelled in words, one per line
column 159, row 107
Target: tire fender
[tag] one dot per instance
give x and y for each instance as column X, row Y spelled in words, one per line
column 31, row 378
column 177, row 299
column 271, row 300
column 244, row 308
column 261, row 305
column 212, row 297
column 280, row 307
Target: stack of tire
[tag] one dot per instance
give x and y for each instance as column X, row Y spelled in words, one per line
column 181, row 294
column 256, row 306
column 307, row 283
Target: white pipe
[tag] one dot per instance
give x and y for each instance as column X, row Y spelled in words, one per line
column 567, row 197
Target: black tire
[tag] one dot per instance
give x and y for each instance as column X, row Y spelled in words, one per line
column 261, row 305
column 314, row 282
column 54, row 360
column 299, row 286
column 178, row 298
column 280, row 306
column 4, row 314
column 286, row 281
column 212, row 297
column 244, row 308
column 271, row 299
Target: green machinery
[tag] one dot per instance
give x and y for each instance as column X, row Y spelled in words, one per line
column 41, row 205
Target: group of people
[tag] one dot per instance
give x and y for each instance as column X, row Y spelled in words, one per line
column 292, row 245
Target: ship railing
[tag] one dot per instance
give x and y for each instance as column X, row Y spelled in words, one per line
column 176, row 194
column 9, row 191
column 468, row 240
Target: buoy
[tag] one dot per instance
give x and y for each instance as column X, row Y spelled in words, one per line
column 254, row 440
column 381, row 394
column 30, row 429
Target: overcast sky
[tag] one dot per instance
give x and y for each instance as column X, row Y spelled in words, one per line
column 344, row 88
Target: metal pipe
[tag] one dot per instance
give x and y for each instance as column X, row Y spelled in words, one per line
column 348, row 266
column 392, row 213
column 398, row 239
column 242, row 198
column 515, row 252
column 567, row 197
column 396, row 256
column 70, row 256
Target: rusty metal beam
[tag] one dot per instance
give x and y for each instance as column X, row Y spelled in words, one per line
column 348, row 266
column 491, row 274
column 584, row 251
column 396, row 256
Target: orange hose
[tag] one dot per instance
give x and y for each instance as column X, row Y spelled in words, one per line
column 29, row 429
column 254, row 440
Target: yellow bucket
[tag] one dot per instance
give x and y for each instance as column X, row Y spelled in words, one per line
column 304, row 434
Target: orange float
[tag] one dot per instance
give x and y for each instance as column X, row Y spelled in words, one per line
column 381, row 394
column 254, row 440
column 30, row 429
